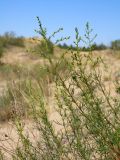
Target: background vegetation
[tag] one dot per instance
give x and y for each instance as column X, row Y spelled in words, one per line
column 9, row 39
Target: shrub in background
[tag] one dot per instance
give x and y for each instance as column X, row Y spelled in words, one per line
column 115, row 45
column 99, row 47
column 9, row 38
column 94, row 47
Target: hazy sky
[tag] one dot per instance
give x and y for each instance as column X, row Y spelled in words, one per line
column 20, row 16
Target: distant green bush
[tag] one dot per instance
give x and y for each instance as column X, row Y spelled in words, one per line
column 9, row 38
column 66, row 46
column 115, row 45
column 99, row 46
column 94, row 47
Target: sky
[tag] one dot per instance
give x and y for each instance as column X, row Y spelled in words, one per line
column 103, row 15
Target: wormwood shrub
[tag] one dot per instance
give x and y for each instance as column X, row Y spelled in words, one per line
column 89, row 115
